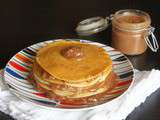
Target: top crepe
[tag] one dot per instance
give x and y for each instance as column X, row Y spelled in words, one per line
column 90, row 62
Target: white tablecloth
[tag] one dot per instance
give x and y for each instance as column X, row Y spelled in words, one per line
column 145, row 83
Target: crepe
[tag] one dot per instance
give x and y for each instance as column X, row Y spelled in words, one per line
column 70, row 69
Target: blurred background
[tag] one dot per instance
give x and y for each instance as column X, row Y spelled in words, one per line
column 23, row 23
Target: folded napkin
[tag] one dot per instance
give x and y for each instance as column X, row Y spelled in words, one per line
column 145, row 83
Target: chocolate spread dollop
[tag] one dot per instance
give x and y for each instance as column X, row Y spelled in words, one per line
column 72, row 52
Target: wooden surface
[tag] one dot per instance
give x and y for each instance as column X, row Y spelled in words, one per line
column 23, row 23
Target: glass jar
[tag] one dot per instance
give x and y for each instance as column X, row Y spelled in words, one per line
column 93, row 29
column 130, row 31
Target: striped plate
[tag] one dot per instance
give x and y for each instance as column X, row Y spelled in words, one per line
column 18, row 68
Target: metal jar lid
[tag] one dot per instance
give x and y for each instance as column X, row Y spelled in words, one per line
column 91, row 26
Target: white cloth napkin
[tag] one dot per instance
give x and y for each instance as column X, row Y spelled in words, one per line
column 145, row 83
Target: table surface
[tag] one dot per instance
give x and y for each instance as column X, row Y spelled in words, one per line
column 24, row 23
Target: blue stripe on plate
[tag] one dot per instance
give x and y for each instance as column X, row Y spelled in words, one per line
column 13, row 73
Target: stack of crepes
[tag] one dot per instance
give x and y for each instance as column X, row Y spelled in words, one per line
column 71, row 70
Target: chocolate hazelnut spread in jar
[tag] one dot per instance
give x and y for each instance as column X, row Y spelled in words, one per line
column 130, row 31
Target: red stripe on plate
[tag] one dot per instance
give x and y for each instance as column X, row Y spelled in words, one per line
column 18, row 67
column 40, row 94
column 124, row 83
column 118, row 91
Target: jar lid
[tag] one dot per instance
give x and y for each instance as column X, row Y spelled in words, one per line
column 91, row 25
